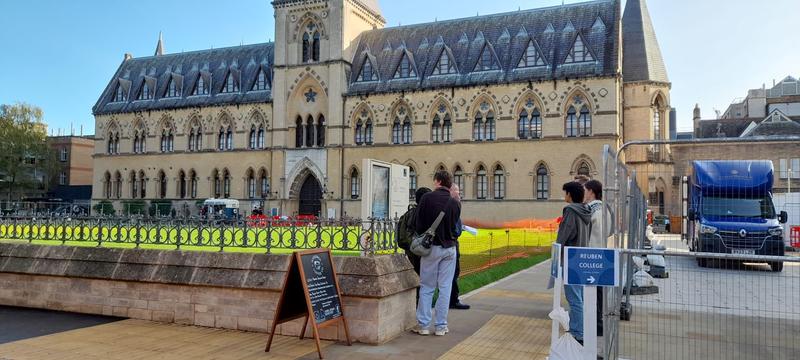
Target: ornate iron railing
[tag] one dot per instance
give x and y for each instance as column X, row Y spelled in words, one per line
column 349, row 237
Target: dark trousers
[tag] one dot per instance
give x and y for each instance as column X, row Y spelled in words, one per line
column 454, row 290
column 599, row 311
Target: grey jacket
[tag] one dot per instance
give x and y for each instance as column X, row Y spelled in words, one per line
column 576, row 226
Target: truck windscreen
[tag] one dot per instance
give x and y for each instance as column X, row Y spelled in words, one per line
column 739, row 207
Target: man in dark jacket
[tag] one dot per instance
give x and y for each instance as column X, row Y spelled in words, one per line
column 574, row 230
column 437, row 268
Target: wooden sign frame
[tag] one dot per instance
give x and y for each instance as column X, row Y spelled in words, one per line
column 296, row 264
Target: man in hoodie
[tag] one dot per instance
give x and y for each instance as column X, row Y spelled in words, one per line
column 574, row 230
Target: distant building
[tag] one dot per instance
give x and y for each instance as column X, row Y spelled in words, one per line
column 73, row 182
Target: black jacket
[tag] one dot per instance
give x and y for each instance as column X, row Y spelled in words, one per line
column 429, row 208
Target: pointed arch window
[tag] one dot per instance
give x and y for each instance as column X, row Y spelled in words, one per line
column 407, row 136
column 196, row 139
column 193, row 184
column 397, row 132
column 442, row 126
column 542, row 183
column 402, row 126
column 311, row 43
column 251, row 184
column 363, row 134
column 579, row 52
column 261, row 81
column 355, row 185
column 107, row 185
column 264, row 184
column 117, row 185
column 584, row 169
column 217, row 183
column 483, row 129
column 226, row 184
column 231, row 86
column 260, row 141
column 172, row 89
column 162, row 185
column 531, row 57
column 404, row 68
column 298, row 132
column 309, row 131
column 412, row 183
column 167, row 141
column 200, row 87
column 487, row 61
column 134, row 185
column 139, row 142
column 529, row 125
column 458, row 179
column 321, row 131
column 142, row 185
column 113, row 143
column 481, row 184
column 444, row 66
column 119, row 95
column 182, row 185
column 499, row 183
column 367, row 71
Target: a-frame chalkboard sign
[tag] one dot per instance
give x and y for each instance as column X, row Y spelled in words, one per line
column 311, row 291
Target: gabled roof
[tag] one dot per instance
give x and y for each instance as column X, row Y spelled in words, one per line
column 506, row 34
column 244, row 62
column 641, row 59
column 775, row 124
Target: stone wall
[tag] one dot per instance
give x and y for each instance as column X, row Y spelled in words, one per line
column 222, row 290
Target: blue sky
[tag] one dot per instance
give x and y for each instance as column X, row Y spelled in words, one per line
column 60, row 55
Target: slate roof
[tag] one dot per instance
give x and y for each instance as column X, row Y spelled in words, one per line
column 243, row 62
column 642, row 60
column 724, row 127
column 775, row 124
column 506, row 36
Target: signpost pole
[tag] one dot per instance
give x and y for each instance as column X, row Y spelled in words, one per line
column 558, row 287
column 590, row 322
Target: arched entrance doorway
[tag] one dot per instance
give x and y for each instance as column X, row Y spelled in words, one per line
column 310, row 197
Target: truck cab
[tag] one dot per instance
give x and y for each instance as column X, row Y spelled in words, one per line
column 731, row 210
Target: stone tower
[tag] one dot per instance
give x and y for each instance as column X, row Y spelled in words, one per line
column 696, row 116
column 646, row 89
column 314, row 44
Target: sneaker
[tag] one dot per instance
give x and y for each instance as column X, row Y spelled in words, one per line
column 441, row 330
column 421, row 330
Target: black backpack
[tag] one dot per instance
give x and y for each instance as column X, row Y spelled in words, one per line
column 406, row 228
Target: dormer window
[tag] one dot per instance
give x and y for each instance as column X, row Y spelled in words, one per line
column 579, row 53
column 145, row 93
column 444, row 66
column 261, row 81
column 230, row 84
column 119, row 96
column 531, row 57
column 200, row 88
column 404, row 69
column 367, row 72
column 172, row 89
column 486, row 61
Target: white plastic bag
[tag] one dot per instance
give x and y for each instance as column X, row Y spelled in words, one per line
column 638, row 261
column 642, row 279
column 656, row 260
column 561, row 316
column 566, row 348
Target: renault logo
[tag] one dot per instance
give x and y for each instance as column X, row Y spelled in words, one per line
column 743, row 233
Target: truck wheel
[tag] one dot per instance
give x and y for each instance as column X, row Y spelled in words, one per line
column 702, row 262
column 776, row 266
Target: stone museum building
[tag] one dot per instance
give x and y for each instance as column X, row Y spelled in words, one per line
column 512, row 104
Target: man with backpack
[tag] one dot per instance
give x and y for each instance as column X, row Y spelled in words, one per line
column 406, row 227
column 438, row 267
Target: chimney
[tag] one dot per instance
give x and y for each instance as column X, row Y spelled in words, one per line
column 696, row 120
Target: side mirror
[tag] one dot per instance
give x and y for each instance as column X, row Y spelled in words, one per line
column 783, row 218
column 692, row 216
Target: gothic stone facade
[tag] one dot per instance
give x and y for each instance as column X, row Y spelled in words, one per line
column 512, row 104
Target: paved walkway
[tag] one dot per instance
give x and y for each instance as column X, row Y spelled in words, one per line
column 507, row 321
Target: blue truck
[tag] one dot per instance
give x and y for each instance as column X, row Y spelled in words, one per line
column 731, row 210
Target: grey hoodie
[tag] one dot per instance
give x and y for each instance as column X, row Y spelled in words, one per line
column 576, row 226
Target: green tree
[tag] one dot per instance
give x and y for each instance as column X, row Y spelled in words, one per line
column 26, row 160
